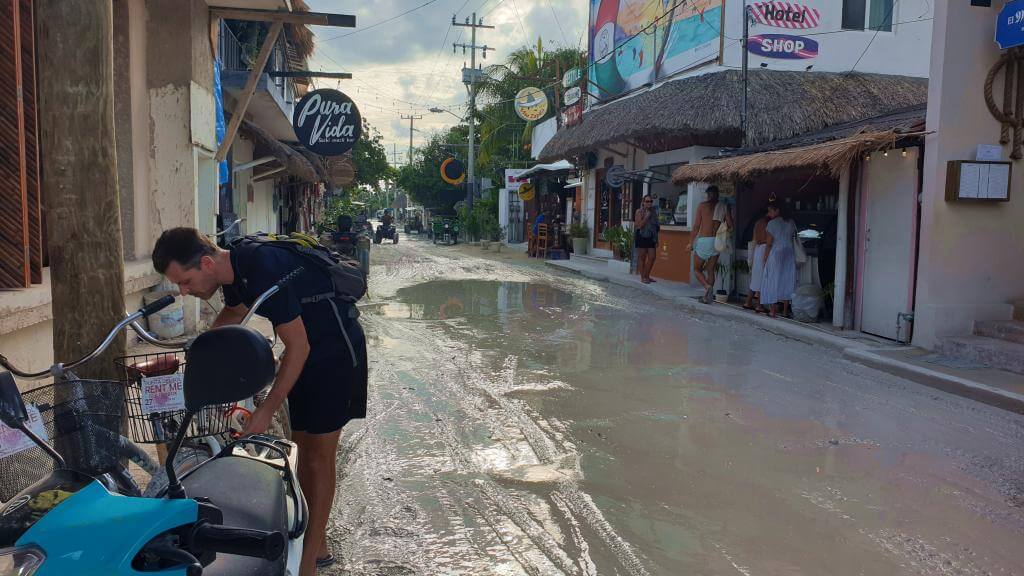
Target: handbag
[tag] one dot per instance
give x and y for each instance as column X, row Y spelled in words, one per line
column 798, row 251
column 722, row 238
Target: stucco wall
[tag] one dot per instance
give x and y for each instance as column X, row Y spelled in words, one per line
column 969, row 257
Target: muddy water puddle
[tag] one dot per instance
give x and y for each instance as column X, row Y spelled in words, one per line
column 535, row 429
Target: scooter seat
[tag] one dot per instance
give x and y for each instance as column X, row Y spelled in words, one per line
column 251, row 495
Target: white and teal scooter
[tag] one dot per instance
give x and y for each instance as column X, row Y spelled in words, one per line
column 240, row 512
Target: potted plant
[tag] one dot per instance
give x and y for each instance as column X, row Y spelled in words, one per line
column 722, row 295
column 580, row 235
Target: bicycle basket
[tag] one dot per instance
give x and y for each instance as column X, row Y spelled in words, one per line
column 147, row 422
column 81, row 418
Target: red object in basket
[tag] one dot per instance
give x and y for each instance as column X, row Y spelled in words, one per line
column 159, row 366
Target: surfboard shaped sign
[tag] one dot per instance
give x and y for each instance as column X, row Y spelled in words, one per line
column 782, row 46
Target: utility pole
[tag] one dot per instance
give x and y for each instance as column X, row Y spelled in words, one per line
column 470, row 77
column 79, row 185
column 412, row 119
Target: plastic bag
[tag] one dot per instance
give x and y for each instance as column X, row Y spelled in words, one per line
column 807, row 302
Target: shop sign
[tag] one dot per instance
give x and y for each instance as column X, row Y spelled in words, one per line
column 527, row 191
column 782, row 46
column 1010, row 25
column 572, row 95
column 615, row 177
column 327, row 122
column 452, row 171
column 512, row 179
column 571, row 77
column 786, row 15
column 531, row 104
column 573, row 115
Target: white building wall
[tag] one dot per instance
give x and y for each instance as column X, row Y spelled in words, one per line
column 967, row 267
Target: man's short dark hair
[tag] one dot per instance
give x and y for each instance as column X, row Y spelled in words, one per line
column 712, row 190
column 186, row 246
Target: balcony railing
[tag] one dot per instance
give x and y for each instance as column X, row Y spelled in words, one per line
column 236, row 56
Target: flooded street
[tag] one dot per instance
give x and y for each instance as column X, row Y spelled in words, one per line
column 527, row 422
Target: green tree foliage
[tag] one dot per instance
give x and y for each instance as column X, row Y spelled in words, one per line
column 504, row 137
column 422, row 180
column 371, row 160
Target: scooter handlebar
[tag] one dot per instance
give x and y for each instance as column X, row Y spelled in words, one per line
column 154, row 307
column 238, row 541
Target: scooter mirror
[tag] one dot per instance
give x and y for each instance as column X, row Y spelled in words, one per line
column 12, row 406
column 226, row 365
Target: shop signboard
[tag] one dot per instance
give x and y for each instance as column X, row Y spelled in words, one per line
column 615, row 176
column 785, row 15
column 636, row 42
column 1010, row 25
column 512, row 179
column 327, row 122
column 572, row 96
column 571, row 77
column 531, row 104
column 782, row 46
column 572, row 115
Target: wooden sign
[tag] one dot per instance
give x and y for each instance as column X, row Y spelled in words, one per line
column 972, row 181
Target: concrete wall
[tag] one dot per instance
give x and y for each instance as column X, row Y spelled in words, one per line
column 966, row 269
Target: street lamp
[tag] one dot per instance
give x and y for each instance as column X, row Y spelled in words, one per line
column 441, row 110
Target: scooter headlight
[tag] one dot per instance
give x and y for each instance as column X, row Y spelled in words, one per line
column 21, row 561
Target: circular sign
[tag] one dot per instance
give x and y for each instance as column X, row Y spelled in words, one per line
column 531, row 104
column 572, row 95
column 327, row 122
column 615, row 176
column 453, row 172
column 527, row 191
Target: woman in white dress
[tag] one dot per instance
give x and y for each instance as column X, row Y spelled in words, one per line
column 757, row 264
column 779, row 282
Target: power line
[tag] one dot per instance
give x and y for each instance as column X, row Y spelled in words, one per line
column 382, row 22
column 565, row 41
column 888, row 16
column 526, row 36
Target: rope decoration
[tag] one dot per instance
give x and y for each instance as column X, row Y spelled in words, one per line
column 1013, row 95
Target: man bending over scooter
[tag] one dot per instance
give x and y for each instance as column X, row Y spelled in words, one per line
column 323, row 370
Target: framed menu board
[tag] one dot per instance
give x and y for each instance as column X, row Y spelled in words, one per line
column 973, row 181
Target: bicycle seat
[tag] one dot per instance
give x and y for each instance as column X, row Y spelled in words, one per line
column 162, row 365
column 251, row 495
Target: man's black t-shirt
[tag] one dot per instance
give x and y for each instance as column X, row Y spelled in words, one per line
column 258, row 267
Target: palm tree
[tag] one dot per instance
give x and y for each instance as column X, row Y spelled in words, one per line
column 504, row 137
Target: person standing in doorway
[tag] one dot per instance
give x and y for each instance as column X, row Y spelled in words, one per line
column 646, row 224
column 710, row 215
column 757, row 263
column 323, row 372
column 779, row 282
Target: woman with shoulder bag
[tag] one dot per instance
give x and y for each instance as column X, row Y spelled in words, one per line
column 645, row 223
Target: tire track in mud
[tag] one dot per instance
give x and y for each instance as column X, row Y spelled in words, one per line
column 458, row 379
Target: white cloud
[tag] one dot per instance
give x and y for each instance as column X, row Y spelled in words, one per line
column 402, row 67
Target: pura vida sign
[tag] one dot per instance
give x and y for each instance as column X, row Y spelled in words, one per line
column 327, row 122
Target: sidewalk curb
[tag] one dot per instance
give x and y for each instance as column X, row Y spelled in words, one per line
column 946, row 382
column 858, row 352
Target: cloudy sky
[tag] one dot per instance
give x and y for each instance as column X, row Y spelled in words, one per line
column 406, row 65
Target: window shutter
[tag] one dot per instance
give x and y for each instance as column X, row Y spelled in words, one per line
column 21, row 243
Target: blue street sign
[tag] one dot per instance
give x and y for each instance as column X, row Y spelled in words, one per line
column 1010, row 25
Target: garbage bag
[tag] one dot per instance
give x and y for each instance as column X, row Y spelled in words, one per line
column 807, row 301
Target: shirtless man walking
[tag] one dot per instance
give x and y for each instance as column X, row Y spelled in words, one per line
column 710, row 215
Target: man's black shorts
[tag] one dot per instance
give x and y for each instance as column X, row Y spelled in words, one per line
column 331, row 391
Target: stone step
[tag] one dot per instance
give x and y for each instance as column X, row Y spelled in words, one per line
column 1012, row 331
column 589, row 258
column 991, row 352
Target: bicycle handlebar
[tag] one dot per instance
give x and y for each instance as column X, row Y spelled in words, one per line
column 58, row 369
column 239, row 541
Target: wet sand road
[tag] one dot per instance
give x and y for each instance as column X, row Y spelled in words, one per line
column 526, row 422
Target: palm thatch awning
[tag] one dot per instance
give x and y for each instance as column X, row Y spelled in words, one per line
column 294, row 162
column 704, row 110
column 828, row 152
column 300, row 43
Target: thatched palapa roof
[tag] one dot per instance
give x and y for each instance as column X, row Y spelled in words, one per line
column 704, row 110
column 828, row 151
column 300, row 43
column 295, row 163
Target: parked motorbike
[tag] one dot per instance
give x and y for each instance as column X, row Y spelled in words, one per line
column 414, row 224
column 446, row 231
column 240, row 512
column 351, row 240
